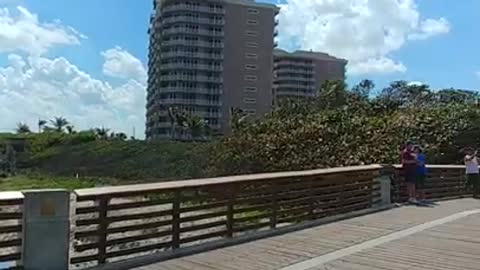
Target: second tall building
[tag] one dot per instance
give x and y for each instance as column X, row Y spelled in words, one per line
column 206, row 57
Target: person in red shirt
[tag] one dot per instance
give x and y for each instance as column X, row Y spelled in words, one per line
column 409, row 165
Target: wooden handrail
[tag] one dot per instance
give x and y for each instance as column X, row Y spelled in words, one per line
column 138, row 189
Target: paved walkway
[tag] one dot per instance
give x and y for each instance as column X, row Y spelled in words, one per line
column 445, row 236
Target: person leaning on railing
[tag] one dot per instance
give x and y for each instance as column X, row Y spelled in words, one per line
column 409, row 165
column 472, row 171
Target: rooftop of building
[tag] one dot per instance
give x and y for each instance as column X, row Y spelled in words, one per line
column 307, row 55
column 239, row 2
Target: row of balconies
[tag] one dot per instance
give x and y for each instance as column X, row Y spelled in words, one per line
column 187, row 102
column 168, row 125
column 190, row 78
column 294, row 86
column 212, row 68
column 293, row 69
column 195, row 31
column 196, row 43
column 193, row 8
column 200, row 55
column 191, row 19
column 156, row 115
column 294, row 92
column 290, row 62
column 196, row 90
column 280, row 79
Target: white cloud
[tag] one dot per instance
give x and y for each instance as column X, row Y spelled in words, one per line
column 377, row 66
column 34, row 87
column 477, row 74
column 415, row 83
column 121, row 64
column 21, row 30
column 365, row 32
column 430, row 28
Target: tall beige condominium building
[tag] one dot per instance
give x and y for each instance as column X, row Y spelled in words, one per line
column 300, row 74
column 206, row 57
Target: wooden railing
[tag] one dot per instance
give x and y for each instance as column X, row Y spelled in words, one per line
column 442, row 181
column 11, row 205
column 116, row 223
column 119, row 223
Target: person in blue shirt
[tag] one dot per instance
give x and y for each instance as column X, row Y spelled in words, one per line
column 421, row 173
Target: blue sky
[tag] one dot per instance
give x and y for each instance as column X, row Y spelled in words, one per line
column 90, row 65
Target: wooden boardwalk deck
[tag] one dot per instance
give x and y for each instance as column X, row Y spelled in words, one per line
column 445, row 236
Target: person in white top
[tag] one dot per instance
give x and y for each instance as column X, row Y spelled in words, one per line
column 472, row 171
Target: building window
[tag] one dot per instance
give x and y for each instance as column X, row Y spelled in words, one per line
column 251, row 56
column 250, row 77
column 249, row 100
column 251, row 33
column 253, row 11
column 251, row 67
column 251, row 44
column 250, row 89
column 252, row 22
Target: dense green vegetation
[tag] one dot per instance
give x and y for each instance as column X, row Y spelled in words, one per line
column 340, row 127
column 349, row 127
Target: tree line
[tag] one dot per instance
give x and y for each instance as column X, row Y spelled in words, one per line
column 356, row 125
column 62, row 125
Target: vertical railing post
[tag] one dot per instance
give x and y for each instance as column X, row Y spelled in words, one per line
column 102, row 229
column 384, row 180
column 273, row 217
column 46, row 230
column 311, row 201
column 176, row 219
column 230, row 210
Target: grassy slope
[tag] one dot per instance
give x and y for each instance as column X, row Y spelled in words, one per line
column 137, row 160
column 24, row 182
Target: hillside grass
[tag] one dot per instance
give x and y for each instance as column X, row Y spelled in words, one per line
column 27, row 182
column 123, row 160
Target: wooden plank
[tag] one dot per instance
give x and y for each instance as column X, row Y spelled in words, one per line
column 134, row 190
column 10, row 243
column 10, row 257
column 10, row 216
column 195, row 238
column 137, row 227
column 140, row 237
column 11, row 229
column 83, row 259
column 146, row 215
column 140, row 249
column 203, row 226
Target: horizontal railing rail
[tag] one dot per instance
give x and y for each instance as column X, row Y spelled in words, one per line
column 117, row 223
column 11, row 215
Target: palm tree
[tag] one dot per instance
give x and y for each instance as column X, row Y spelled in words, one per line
column 237, row 118
column 70, row 129
column 120, row 136
column 102, row 133
column 172, row 115
column 22, row 128
column 59, row 123
column 41, row 125
column 196, row 126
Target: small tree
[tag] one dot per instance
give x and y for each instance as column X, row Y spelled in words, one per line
column 22, row 128
column 102, row 133
column 41, row 125
column 70, row 129
column 59, row 123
